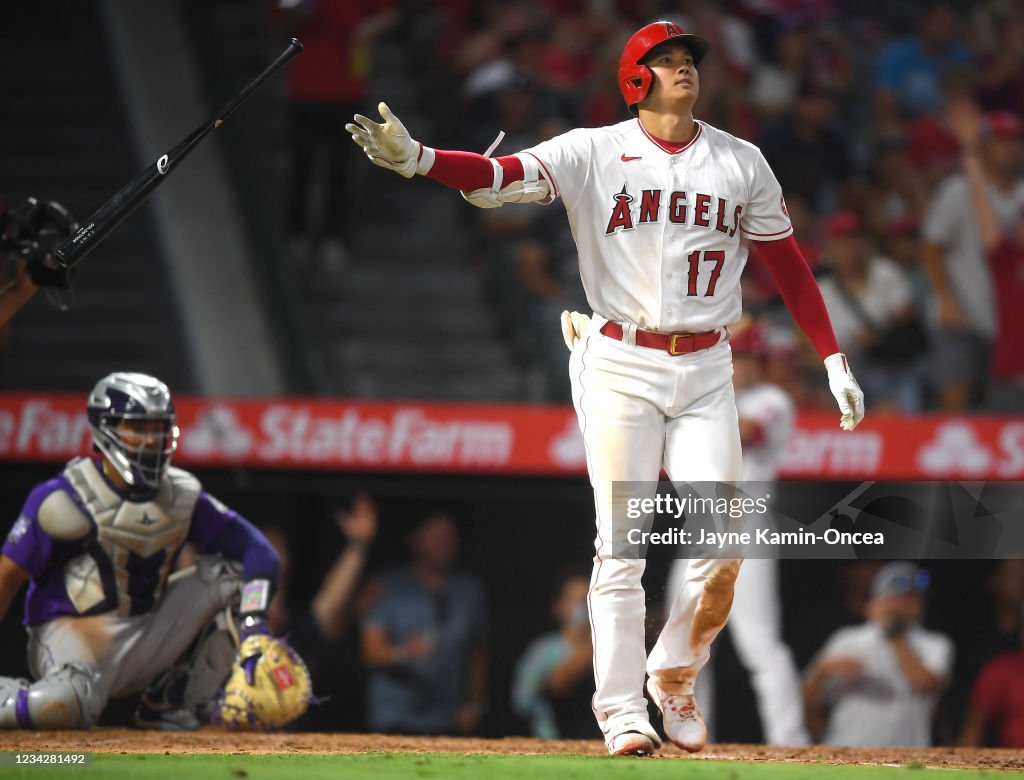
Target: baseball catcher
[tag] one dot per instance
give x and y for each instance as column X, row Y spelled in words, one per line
column 29, row 234
column 105, row 616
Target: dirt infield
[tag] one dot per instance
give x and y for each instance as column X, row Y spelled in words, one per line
column 216, row 741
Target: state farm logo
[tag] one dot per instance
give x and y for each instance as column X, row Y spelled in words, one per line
column 812, row 452
column 39, row 428
column 955, row 450
column 406, row 436
column 958, row 449
column 217, row 431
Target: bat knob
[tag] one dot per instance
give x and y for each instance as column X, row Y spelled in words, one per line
column 298, row 45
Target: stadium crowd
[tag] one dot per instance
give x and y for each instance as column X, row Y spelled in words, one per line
column 890, row 128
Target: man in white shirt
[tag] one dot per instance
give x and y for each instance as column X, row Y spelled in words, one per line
column 963, row 314
column 877, row 684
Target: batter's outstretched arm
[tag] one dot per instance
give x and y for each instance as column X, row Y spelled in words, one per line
column 484, row 181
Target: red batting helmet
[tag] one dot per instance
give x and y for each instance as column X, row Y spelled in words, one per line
column 634, row 77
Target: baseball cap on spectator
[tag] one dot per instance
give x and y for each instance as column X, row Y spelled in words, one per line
column 898, row 579
column 842, row 223
column 1004, row 124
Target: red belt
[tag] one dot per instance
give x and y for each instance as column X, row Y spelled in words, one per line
column 673, row 343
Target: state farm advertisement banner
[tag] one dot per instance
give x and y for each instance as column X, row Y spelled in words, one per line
column 498, row 439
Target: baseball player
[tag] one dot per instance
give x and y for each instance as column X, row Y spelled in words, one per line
column 96, row 545
column 766, row 418
column 662, row 208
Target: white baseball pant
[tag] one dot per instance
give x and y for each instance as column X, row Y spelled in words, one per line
column 755, row 627
column 125, row 654
column 641, row 409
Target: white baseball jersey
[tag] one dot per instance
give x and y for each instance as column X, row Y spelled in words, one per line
column 662, row 235
column 768, row 406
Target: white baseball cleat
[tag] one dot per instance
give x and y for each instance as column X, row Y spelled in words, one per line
column 635, row 738
column 681, row 718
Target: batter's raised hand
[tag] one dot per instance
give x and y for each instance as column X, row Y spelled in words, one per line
column 388, row 145
column 847, row 392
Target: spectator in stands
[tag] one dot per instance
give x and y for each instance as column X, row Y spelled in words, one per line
column 997, row 703
column 900, row 240
column 423, row 640
column 330, row 611
column 849, row 607
column 320, row 630
column 808, row 152
column 989, row 633
column 931, row 146
column 910, row 71
column 871, row 305
column 554, row 679
column 1003, row 245
column 1001, row 68
column 326, row 86
column 895, row 190
column 550, row 282
column 964, row 315
column 567, row 59
column 877, row 684
column 775, row 84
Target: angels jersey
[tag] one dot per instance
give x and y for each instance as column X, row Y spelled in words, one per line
column 662, row 236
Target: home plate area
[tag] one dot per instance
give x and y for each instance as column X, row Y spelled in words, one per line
column 215, row 741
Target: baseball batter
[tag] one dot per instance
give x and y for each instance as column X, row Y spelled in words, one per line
column 96, row 545
column 663, row 208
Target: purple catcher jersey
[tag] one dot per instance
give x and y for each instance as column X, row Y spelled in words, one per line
column 89, row 550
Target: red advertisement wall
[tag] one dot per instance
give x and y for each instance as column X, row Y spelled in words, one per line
column 345, row 435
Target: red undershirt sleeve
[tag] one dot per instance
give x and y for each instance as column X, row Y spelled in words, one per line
column 470, row 171
column 800, row 292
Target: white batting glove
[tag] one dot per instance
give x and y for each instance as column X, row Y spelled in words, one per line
column 844, row 387
column 388, row 145
column 574, row 327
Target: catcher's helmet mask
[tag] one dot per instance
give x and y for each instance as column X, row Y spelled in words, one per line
column 122, row 397
column 635, row 78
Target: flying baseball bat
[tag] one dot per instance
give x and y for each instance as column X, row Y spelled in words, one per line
column 132, row 195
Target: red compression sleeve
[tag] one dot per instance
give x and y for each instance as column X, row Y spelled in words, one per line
column 470, row 171
column 800, row 292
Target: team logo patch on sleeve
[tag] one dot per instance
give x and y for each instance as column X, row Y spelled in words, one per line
column 19, row 529
column 255, row 596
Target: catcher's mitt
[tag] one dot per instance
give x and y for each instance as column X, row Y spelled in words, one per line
column 269, row 686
